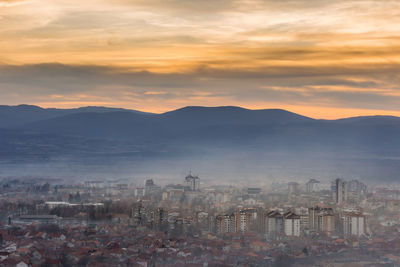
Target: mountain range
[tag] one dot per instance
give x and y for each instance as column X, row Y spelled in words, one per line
column 270, row 141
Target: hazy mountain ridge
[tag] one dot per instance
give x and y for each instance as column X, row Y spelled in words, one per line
column 105, row 135
column 190, row 126
column 14, row 116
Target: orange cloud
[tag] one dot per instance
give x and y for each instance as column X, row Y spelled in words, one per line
column 330, row 55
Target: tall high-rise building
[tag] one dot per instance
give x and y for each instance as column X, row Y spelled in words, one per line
column 225, row 224
column 192, row 182
column 138, row 211
column 348, row 191
column 150, row 187
column 304, row 217
column 353, row 224
column 291, row 224
column 312, row 185
column 261, row 221
column 340, row 191
column 355, row 191
column 274, row 222
column 160, row 218
column 243, row 218
column 326, row 222
column 321, row 218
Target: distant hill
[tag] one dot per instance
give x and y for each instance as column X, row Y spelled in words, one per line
column 134, row 125
column 230, row 115
column 30, row 134
column 371, row 120
column 12, row 116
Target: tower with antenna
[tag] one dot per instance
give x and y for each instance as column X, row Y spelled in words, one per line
column 192, row 182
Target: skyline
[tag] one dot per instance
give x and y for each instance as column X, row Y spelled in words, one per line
column 184, row 107
column 323, row 59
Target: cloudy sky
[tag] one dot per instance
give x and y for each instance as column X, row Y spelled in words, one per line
column 322, row 58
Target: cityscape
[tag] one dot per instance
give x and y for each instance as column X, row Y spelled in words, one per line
column 199, row 133
column 45, row 222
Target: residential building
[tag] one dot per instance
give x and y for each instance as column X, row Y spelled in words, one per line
column 243, row 218
column 225, row 224
column 312, row 186
column 274, row 223
column 291, row 224
column 353, row 224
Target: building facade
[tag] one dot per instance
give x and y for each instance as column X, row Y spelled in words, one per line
column 291, row 224
column 353, row 224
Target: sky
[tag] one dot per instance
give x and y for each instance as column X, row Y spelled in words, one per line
column 320, row 58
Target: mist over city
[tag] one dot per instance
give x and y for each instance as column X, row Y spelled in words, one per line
column 222, row 143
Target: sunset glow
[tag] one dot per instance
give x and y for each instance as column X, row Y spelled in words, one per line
column 325, row 59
